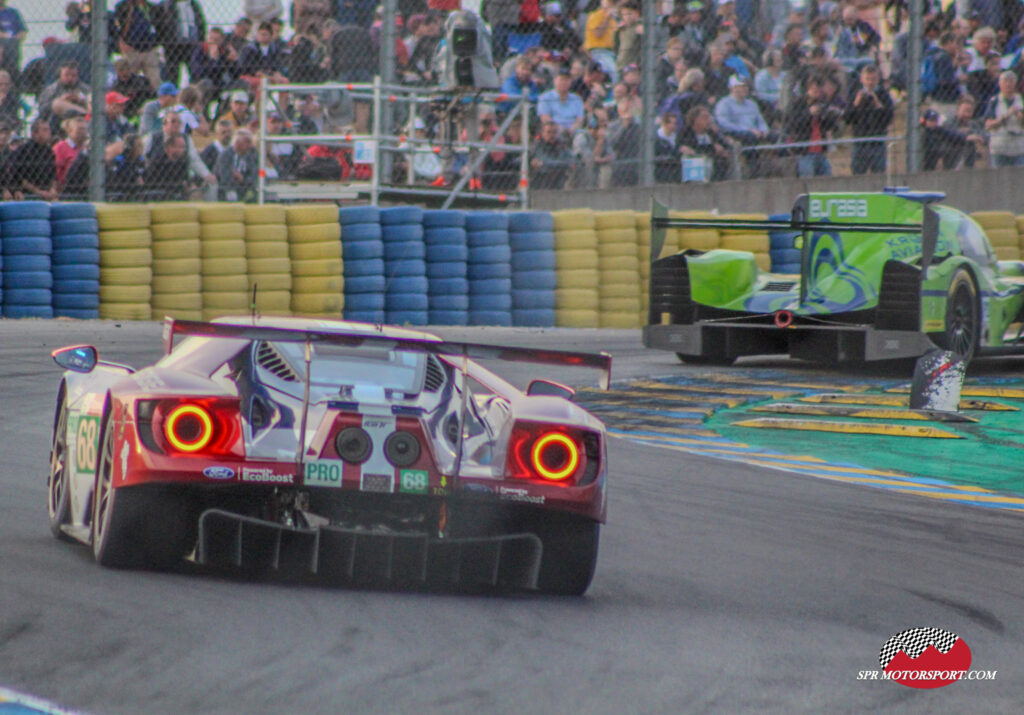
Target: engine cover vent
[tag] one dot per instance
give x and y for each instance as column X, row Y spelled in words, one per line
column 271, row 360
column 434, row 379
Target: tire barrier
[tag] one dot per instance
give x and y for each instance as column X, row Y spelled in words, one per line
column 268, row 259
column 224, row 274
column 177, row 262
column 754, row 242
column 75, row 260
column 489, row 268
column 362, row 251
column 531, row 236
column 642, row 224
column 314, row 246
column 619, row 268
column 1001, row 229
column 444, row 234
column 27, row 250
column 126, row 261
column 576, row 263
column 405, row 267
column 784, row 255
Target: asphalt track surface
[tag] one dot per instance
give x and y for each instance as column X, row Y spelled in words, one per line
column 721, row 587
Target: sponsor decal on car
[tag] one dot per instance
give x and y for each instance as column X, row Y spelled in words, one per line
column 216, row 472
column 322, row 473
column 519, row 494
column 265, row 475
column 380, row 483
column 87, row 436
column 838, row 208
column 413, row 481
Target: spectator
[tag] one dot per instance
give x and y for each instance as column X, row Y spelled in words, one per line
column 740, row 119
column 809, row 119
column 136, row 37
column 962, row 138
column 699, row 138
column 283, row 158
column 180, row 28
column 237, row 168
column 793, row 47
column 551, row 162
column 425, row 41
column 591, row 84
column 117, row 125
column 65, row 151
column 352, row 54
column 555, row 33
column 308, row 62
column 599, row 33
column 666, row 152
column 986, row 12
column 740, row 65
column 67, row 97
column 166, row 177
column 153, row 110
column 858, row 42
column 9, row 191
column 238, row 38
column 593, row 155
column 691, row 93
column 694, row 34
column 79, row 19
column 238, row 112
column 982, row 43
column 12, row 109
column 983, row 84
column 126, row 171
column 716, row 72
column 939, row 70
column 869, row 114
column 666, row 68
column 214, row 63
column 561, row 106
column 33, row 166
column 223, row 132
column 628, row 36
column 503, row 17
column 625, row 138
column 311, row 116
column 193, row 118
column 1004, row 120
column 262, row 58
column 172, row 125
column 501, row 170
column 12, row 26
column 521, row 81
column 133, row 86
column 768, row 82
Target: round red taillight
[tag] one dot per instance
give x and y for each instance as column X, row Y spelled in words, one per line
column 555, row 456
column 188, row 428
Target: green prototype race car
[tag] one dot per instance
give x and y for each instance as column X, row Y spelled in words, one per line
column 882, row 276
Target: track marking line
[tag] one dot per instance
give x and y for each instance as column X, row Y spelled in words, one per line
column 877, row 428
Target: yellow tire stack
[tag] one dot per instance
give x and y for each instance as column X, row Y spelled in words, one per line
column 754, row 242
column 176, row 263
column 619, row 266
column 224, row 272
column 314, row 245
column 642, row 222
column 126, row 260
column 1001, row 229
column 699, row 239
column 268, row 260
column 576, row 263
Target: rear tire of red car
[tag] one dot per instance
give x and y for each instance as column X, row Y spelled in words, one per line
column 136, row 527
column 58, row 498
column 569, row 555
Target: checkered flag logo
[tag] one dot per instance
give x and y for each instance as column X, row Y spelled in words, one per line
column 914, row 641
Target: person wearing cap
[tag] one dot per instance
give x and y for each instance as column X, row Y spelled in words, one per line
column 153, row 110
column 116, row 123
column 561, row 106
column 238, row 111
column 136, row 37
column 739, row 117
column 555, row 33
column 132, row 85
column 629, row 35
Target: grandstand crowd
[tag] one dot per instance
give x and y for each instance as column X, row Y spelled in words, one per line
column 744, row 88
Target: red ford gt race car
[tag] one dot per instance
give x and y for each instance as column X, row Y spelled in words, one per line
column 351, row 452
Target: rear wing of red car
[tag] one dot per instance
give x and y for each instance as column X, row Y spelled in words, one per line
column 358, row 338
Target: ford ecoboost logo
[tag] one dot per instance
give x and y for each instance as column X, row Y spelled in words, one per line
column 219, row 472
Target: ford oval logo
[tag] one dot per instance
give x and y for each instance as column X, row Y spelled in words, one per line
column 219, row 472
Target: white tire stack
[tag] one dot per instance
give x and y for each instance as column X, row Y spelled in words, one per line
column 126, row 259
column 177, row 284
column 268, row 259
column 314, row 245
column 576, row 263
column 225, row 281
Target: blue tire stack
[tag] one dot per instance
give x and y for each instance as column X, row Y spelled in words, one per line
column 489, row 268
column 784, row 255
column 444, row 233
column 362, row 252
column 76, row 261
column 531, row 236
column 27, row 246
column 405, row 268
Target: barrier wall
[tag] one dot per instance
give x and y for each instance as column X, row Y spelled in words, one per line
column 403, row 265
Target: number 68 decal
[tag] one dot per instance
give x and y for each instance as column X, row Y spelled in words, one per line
column 85, row 444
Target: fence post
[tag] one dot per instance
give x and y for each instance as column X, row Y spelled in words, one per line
column 914, row 59
column 98, row 87
column 387, row 77
column 650, row 104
